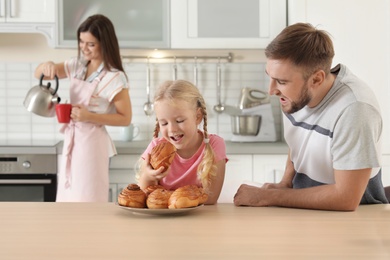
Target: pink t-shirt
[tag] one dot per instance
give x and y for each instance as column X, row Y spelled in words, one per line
column 184, row 171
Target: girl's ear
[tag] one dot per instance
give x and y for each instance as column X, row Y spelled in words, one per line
column 199, row 116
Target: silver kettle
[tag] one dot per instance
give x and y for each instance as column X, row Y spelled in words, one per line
column 41, row 99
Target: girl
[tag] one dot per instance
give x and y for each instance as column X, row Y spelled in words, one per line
column 200, row 157
column 99, row 95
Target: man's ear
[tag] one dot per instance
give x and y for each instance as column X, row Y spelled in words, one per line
column 317, row 78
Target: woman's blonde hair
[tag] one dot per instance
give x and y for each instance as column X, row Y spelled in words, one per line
column 186, row 91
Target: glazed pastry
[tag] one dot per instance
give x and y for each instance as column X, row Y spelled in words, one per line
column 162, row 155
column 152, row 188
column 158, row 199
column 184, row 197
column 132, row 196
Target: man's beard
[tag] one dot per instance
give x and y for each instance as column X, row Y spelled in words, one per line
column 304, row 99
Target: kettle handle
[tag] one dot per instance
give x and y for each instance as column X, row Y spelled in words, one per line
column 48, row 85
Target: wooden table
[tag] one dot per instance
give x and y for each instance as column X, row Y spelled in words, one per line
column 105, row 231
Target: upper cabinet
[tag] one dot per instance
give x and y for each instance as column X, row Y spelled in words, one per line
column 226, row 24
column 27, row 11
column 26, row 16
column 138, row 24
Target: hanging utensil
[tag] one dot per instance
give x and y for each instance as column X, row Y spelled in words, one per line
column 196, row 72
column 219, row 108
column 148, row 106
column 175, row 70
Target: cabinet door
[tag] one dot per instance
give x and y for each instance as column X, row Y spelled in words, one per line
column 226, row 23
column 268, row 168
column 138, row 24
column 27, row 11
column 238, row 170
column 122, row 173
column 386, row 170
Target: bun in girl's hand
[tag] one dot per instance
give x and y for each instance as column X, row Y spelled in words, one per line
column 162, row 155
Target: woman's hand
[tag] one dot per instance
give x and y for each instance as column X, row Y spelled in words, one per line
column 49, row 69
column 80, row 113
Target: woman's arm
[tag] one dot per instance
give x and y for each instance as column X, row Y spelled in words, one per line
column 50, row 69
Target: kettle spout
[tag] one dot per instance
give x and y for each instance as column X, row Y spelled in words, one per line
column 56, row 100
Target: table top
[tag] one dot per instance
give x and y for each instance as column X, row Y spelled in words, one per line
column 36, row 230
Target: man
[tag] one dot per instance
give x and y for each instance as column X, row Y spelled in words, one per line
column 332, row 125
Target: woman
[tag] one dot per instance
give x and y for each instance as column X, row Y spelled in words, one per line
column 99, row 96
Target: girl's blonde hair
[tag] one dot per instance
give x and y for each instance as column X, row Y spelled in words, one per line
column 186, row 91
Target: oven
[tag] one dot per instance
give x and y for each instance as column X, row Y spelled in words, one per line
column 28, row 173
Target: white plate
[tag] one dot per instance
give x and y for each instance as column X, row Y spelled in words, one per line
column 159, row 211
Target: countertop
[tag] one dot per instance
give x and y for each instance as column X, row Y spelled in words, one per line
column 37, row 230
column 138, row 147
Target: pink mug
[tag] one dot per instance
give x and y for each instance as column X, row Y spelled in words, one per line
column 63, row 112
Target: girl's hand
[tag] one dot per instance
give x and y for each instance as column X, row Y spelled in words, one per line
column 155, row 175
column 79, row 113
column 148, row 175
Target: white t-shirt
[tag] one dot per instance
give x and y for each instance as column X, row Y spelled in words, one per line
column 343, row 132
column 111, row 84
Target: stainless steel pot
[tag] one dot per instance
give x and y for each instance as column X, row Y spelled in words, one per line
column 41, row 99
column 246, row 124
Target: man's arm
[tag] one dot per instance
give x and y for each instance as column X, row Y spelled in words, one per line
column 344, row 195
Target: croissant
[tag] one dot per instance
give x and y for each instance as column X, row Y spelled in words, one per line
column 158, row 199
column 132, row 196
column 162, row 155
column 184, row 197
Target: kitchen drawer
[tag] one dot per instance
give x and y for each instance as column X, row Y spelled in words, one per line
column 124, row 161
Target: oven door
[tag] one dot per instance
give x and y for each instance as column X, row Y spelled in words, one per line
column 28, row 187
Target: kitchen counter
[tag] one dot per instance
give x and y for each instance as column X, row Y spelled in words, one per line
column 96, row 231
column 138, row 147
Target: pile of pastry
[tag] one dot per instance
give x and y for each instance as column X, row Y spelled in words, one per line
column 157, row 197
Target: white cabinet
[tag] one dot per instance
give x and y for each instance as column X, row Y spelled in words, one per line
column 27, row 11
column 238, row 170
column 268, row 168
column 226, row 24
column 26, row 16
column 386, row 170
column 361, row 41
column 122, row 173
column 138, row 24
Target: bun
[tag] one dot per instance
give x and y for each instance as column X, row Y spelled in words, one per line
column 184, row 197
column 132, row 196
column 152, row 188
column 162, row 155
column 158, row 199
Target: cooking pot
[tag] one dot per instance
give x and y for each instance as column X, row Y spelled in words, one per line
column 246, row 124
column 41, row 99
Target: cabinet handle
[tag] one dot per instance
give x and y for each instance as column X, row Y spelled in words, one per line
column 12, row 8
column 2, row 8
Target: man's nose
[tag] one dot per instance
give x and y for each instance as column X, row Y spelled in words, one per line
column 272, row 87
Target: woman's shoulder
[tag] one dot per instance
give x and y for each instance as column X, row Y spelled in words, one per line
column 116, row 76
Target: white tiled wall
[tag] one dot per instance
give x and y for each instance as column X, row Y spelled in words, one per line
column 16, row 123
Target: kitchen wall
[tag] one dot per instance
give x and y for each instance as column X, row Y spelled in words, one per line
column 20, row 54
